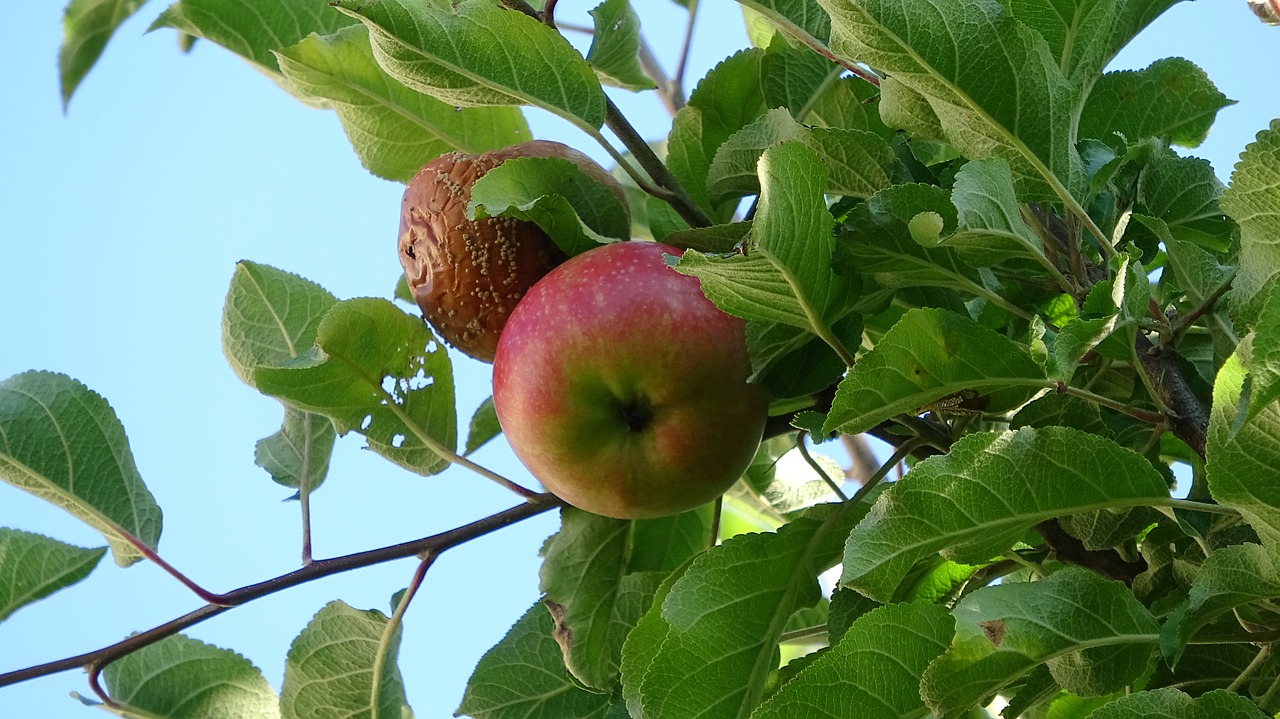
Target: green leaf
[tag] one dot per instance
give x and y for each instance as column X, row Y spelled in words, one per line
column 1185, row 192
column 1172, row 99
column 1172, row 704
column 724, row 616
column 794, row 77
column 1264, row 362
column 523, row 677
column 858, row 162
column 378, row 371
column 62, row 442
column 447, row 50
column 991, row 229
column 394, row 130
column 33, row 566
column 997, row 485
column 615, row 46
column 1003, row 632
column 793, row 230
column 183, row 678
column 253, row 33
column 576, row 211
column 802, row 19
column 991, row 81
column 1083, row 35
column 344, row 664
column 716, row 239
column 726, row 100
column 484, row 426
column 87, row 26
column 928, row 355
column 876, row 667
column 640, row 649
column 1111, row 313
column 269, row 318
column 1242, row 458
column 1230, row 577
column 299, row 453
column 747, row 286
column 583, row 566
column 851, row 103
column 1253, row 200
column 662, row 545
column 781, row 477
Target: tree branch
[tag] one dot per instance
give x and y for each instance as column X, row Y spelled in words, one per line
column 430, row 546
column 1069, row 550
column 1190, row 421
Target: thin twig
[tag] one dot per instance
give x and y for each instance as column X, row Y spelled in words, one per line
column 549, row 12
column 717, row 511
column 682, row 64
column 435, row 544
column 640, row 150
column 813, row 464
column 1190, row 318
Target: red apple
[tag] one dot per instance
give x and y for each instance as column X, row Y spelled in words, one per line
column 623, row 389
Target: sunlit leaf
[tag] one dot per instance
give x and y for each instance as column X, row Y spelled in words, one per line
column 183, row 678
column 344, row 664
column 33, row 566
column 394, row 130
column 1253, row 200
column 977, row 501
column 1172, row 99
column 1242, row 457
column 87, row 26
column 62, row 442
column 1003, row 632
column 446, row 50
column 615, row 46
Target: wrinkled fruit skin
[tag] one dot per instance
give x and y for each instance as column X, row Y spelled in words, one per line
column 468, row 275
column 623, row 389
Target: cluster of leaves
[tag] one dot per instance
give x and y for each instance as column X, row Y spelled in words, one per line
column 966, row 239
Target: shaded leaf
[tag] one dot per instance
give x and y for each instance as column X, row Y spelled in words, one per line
column 1230, row 577
column 798, row 18
column 977, row 501
column 484, row 426
column 1173, row 704
column 379, row 371
column 299, row 453
column 33, row 566
column 344, row 664
column 991, row 229
column 523, row 677
column 394, row 130
column 183, row 678
column 930, row 354
column 1003, row 632
column 724, row 615
column 62, row 442
column 1172, row 99
column 876, row 667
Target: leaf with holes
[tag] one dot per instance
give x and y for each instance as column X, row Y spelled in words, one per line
column 378, row 371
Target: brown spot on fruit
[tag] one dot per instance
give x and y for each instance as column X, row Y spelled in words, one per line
column 455, row 267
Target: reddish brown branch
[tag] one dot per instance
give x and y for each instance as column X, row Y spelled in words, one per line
column 432, row 545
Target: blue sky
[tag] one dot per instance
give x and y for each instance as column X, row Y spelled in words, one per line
column 122, row 222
